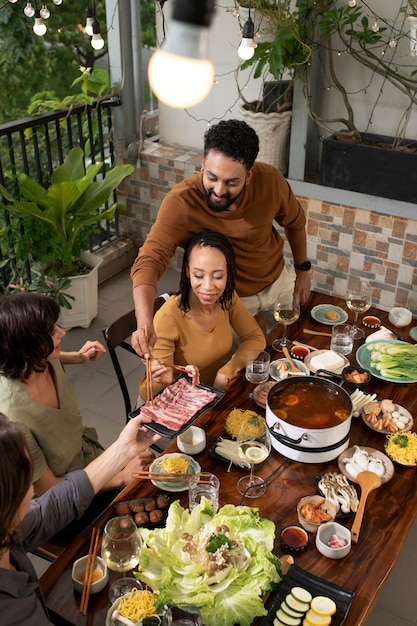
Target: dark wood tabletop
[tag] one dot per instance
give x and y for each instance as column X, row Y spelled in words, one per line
column 389, row 513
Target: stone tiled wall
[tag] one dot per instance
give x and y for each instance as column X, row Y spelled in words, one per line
column 344, row 243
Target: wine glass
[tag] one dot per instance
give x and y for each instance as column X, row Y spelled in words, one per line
column 120, row 549
column 253, row 446
column 359, row 300
column 286, row 312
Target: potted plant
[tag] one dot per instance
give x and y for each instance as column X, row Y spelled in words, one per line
column 277, row 57
column 59, row 220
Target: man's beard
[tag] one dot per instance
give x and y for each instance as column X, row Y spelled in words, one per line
column 218, row 207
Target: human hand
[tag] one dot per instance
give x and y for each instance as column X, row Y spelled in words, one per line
column 303, row 286
column 137, row 464
column 90, row 351
column 220, row 381
column 136, row 437
column 143, row 340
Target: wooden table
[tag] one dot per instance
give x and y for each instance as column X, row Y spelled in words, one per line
column 389, row 513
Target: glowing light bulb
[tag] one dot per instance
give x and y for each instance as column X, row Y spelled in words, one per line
column 44, row 12
column 179, row 74
column 375, row 27
column 393, row 43
column 97, row 41
column 352, row 3
column 89, row 21
column 29, row 11
column 246, row 49
column 57, row 2
column 12, row 1
column 39, row 27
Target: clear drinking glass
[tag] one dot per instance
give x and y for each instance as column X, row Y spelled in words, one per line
column 182, row 615
column 342, row 339
column 286, row 312
column 257, row 366
column 253, row 446
column 359, row 300
column 203, row 484
column 120, row 549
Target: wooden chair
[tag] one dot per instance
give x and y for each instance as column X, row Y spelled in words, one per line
column 116, row 336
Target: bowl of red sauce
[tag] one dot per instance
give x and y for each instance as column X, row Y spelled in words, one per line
column 294, row 538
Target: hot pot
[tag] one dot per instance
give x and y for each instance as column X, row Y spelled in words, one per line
column 306, row 435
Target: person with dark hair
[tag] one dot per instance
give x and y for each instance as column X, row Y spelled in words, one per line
column 35, row 391
column 241, row 198
column 194, row 327
column 26, row 524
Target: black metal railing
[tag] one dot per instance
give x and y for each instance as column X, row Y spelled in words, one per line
column 36, row 146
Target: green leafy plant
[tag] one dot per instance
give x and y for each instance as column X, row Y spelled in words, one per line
column 62, row 217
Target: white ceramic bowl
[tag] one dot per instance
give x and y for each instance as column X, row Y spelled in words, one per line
column 400, row 316
column 78, row 570
column 326, row 506
column 324, row 534
column 192, row 440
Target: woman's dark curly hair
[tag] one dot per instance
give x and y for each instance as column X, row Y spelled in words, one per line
column 218, row 241
column 15, row 477
column 235, row 139
column 27, row 321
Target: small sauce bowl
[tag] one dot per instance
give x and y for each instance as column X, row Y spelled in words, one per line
column 192, row 440
column 299, row 352
column 294, row 538
column 78, row 573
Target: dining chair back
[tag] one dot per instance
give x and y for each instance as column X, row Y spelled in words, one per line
column 117, row 337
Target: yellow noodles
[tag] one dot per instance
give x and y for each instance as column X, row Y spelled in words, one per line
column 406, row 455
column 174, row 465
column 236, row 418
column 138, row 605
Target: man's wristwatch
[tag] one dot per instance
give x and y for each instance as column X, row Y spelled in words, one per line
column 303, row 267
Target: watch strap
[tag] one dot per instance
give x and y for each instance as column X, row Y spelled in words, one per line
column 303, row 267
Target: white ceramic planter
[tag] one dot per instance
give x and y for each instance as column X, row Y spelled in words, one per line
column 85, row 291
column 273, row 130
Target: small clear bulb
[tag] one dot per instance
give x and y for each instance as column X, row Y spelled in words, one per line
column 44, row 12
column 29, row 11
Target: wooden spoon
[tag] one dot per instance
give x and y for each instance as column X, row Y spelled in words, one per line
column 316, row 332
column 368, row 482
column 293, row 367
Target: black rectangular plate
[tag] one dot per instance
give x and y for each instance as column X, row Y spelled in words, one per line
column 297, row 577
column 219, row 457
column 131, row 503
column 171, row 434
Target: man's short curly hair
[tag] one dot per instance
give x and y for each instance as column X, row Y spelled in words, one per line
column 235, row 139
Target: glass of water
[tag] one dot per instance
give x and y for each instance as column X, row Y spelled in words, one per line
column 257, row 366
column 342, row 339
column 203, row 484
column 182, row 615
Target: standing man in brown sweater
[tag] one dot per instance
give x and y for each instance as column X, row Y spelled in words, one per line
column 241, row 199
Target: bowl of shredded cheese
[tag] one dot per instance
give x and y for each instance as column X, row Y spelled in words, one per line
column 402, row 448
column 175, row 463
column 136, row 608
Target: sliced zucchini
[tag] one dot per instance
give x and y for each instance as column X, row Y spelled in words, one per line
column 287, row 620
column 295, row 605
column 301, row 594
column 284, row 607
column 323, row 605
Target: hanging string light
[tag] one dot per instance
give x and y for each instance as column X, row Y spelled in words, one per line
column 40, row 14
column 247, row 46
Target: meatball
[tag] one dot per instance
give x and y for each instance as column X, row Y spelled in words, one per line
column 136, row 506
column 123, row 508
column 162, row 502
column 156, row 516
column 142, row 518
column 150, row 505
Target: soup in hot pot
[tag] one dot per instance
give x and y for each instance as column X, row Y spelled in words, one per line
column 309, row 405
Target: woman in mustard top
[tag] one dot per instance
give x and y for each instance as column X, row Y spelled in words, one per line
column 194, row 327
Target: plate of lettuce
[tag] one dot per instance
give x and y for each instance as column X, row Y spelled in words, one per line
column 220, row 562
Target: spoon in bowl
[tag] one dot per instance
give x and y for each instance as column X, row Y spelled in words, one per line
column 293, row 368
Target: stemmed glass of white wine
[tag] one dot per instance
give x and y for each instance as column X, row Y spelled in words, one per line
column 286, row 312
column 120, row 549
column 359, row 300
column 253, row 446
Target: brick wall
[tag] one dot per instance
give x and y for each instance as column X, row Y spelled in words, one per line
column 344, row 243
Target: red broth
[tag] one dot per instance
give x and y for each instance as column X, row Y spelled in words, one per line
column 309, row 405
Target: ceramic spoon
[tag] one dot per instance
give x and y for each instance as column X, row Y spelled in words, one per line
column 293, row 368
column 368, row 482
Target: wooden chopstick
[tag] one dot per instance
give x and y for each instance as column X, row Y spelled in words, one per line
column 305, row 345
column 149, row 386
column 180, row 368
column 88, row 577
column 160, row 475
column 307, row 331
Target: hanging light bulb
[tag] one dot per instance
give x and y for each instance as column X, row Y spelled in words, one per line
column 29, row 11
column 89, row 15
column 180, row 73
column 247, row 46
column 12, row 1
column 39, row 27
column 97, row 41
column 44, row 12
column 57, row 2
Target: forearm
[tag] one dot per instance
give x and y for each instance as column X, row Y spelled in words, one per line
column 298, row 244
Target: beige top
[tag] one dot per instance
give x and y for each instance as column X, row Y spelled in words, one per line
column 56, row 437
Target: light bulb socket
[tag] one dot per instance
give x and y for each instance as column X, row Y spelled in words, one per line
column 248, row 29
column 96, row 27
column 197, row 12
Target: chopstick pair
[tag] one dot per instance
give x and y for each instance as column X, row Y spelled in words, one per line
column 88, row 577
column 149, row 386
column 160, row 475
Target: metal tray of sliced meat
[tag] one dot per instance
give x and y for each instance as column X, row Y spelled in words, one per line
column 178, row 406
